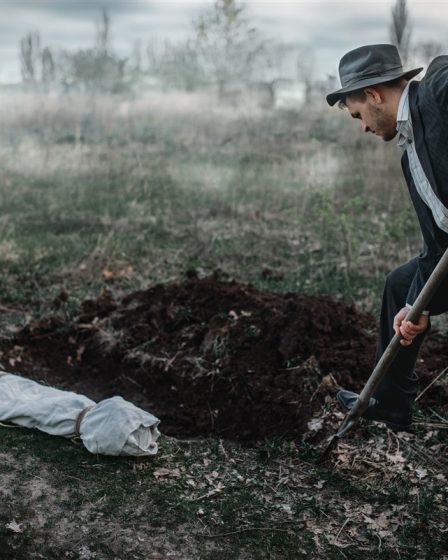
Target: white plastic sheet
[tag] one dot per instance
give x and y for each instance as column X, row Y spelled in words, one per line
column 111, row 427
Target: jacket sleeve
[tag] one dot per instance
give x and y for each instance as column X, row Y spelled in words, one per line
column 437, row 82
column 427, row 261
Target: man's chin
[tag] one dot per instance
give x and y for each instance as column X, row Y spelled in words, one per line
column 388, row 136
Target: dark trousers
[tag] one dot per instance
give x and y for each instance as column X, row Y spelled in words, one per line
column 398, row 389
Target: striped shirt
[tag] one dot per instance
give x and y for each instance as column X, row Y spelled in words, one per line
column 406, row 142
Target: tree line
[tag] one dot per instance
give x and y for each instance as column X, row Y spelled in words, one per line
column 224, row 52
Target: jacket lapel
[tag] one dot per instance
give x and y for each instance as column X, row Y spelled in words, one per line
column 419, row 136
column 423, row 212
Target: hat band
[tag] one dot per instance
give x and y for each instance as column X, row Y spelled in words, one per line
column 378, row 72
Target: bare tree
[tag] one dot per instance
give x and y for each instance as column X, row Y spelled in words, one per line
column 400, row 29
column 180, row 66
column 103, row 33
column 48, row 66
column 230, row 49
column 30, row 56
column 95, row 70
column 91, row 72
column 136, row 57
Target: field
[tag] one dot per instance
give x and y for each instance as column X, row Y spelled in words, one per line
column 103, row 197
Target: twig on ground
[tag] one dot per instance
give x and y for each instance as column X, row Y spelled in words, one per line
column 244, row 530
column 432, row 383
column 444, row 420
column 6, row 309
column 342, row 528
column 222, row 450
column 424, row 456
column 439, row 426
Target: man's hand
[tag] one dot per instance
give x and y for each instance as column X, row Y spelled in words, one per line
column 407, row 329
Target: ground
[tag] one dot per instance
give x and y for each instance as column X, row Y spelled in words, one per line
column 184, row 253
column 212, row 357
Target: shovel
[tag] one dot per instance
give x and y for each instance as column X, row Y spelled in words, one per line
column 432, row 284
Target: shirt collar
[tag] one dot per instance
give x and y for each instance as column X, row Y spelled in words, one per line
column 404, row 122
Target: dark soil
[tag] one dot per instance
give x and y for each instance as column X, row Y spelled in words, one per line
column 212, row 357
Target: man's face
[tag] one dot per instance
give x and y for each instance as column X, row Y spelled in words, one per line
column 373, row 115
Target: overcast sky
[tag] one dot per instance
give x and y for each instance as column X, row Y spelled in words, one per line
column 328, row 27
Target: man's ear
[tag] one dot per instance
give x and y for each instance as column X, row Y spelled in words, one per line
column 373, row 95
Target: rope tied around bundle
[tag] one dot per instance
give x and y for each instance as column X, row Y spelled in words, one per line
column 80, row 418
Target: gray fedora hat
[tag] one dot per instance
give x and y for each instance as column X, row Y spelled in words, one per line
column 367, row 66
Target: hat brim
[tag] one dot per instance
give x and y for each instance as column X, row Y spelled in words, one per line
column 332, row 98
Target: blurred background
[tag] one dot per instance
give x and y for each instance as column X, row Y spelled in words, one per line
column 140, row 140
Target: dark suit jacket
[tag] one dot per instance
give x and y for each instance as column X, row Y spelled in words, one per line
column 428, row 102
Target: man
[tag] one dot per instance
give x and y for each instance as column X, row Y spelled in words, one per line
column 376, row 91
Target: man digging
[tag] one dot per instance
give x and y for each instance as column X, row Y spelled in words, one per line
column 377, row 91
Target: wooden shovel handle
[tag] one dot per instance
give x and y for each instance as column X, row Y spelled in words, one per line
column 433, row 283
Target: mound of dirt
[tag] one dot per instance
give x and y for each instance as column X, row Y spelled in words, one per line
column 208, row 356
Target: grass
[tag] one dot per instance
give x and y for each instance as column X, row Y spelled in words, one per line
column 110, row 194
column 209, row 499
column 141, row 198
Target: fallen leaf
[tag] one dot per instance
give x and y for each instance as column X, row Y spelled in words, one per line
column 160, row 473
column 218, row 489
column 396, row 457
column 107, row 274
column 421, row 473
column 286, row 508
column 14, row 527
column 315, row 424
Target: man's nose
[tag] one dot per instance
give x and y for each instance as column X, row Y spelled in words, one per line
column 364, row 127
